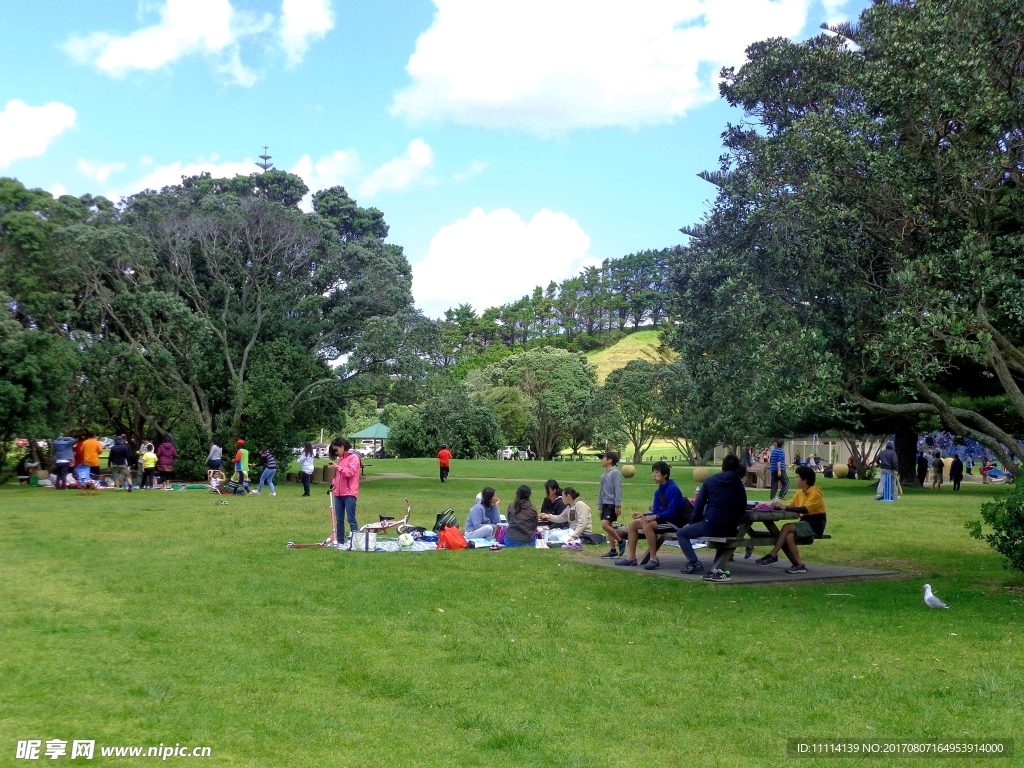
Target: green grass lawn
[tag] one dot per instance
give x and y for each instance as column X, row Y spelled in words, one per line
column 164, row 617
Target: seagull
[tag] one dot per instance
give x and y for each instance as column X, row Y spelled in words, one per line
column 931, row 600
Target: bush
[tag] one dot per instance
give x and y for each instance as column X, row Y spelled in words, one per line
column 1005, row 516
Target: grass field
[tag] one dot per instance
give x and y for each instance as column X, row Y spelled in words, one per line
column 165, row 617
column 642, row 344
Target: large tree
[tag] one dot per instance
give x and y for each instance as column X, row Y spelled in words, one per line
column 637, row 391
column 869, row 219
column 213, row 307
column 559, row 384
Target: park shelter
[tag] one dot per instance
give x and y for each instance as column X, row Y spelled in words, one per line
column 375, row 432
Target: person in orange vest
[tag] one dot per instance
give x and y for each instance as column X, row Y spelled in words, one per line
column 444, row 458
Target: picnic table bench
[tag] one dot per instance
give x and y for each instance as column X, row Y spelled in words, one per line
column 746, row 535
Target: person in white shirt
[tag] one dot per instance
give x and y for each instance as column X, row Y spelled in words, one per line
column 576, row 513
column 306, row 467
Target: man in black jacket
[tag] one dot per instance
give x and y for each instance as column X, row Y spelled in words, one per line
column 119, row 462
column 922, row 467
column 720, row 502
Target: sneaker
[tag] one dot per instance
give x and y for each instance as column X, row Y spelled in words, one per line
column 652, row 565
column 610, row 553
column 693, row 568
column 799, row 568
column 717, row 576
column 255, row 493
column 625, row 562
column 748, row 552
column 273, row 493
column 767, row 560
column 129, row 487
column 622, row 547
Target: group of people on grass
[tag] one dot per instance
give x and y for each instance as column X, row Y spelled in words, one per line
column 720, row 502
column 78, row 458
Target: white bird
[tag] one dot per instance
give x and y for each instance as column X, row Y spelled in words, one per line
column 931, row 600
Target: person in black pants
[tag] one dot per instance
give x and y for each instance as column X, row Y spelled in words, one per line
column 956, row 472
column 922, row 467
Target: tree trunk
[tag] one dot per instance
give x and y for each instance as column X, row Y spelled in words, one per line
column 906, row 453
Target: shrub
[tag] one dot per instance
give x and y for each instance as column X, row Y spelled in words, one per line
column 1005, row 516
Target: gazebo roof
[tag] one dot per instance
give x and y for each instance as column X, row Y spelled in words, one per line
column 376, row 432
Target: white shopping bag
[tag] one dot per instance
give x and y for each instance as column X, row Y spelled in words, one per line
column 362, row 541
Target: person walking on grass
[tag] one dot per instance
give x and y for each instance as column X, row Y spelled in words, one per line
column 345, row 486
column 269, row 464
column 119, row 462
column 777, row 469
column 609, row 500
column 937, row 469
column 444, row 460
column 306, row 467
column 669, row 506
column 522, row 520
column 956, row 472
column 241, row 464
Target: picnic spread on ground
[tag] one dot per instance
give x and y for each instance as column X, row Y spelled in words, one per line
column 719, row 517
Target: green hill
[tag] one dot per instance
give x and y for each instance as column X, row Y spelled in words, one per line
column 642, row 344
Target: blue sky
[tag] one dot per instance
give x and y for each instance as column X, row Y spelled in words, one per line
column 508, row 142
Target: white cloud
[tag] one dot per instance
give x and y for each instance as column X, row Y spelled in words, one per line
column 58, row 189
column 400, row 172
column 27, row 131
column 211, row 27
column 472, row 170
column 303, row 21
column 329, row 171
column 97, row 170
column 167, row 175
column 548, row 66
column 487, row 259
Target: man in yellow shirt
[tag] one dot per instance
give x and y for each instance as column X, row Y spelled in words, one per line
column 810, row 504
column 91, row 450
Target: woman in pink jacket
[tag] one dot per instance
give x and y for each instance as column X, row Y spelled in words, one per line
column 345, row 485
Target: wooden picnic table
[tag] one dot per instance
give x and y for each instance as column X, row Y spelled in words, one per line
column 746, row 535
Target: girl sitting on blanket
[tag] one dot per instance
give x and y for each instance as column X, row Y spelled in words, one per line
column 576, row 515
column 483, row 519
column 522, row 520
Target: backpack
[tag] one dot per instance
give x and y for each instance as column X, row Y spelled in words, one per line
column 451, row 538
column 446, row 519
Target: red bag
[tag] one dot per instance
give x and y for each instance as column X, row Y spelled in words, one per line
column 451, row 538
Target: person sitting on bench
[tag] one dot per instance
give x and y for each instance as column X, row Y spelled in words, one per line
column 670, row 506
column 484, row 517
column 720, row 503
column 809, row 502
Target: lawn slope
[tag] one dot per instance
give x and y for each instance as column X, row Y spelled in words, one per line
column 640, row 345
